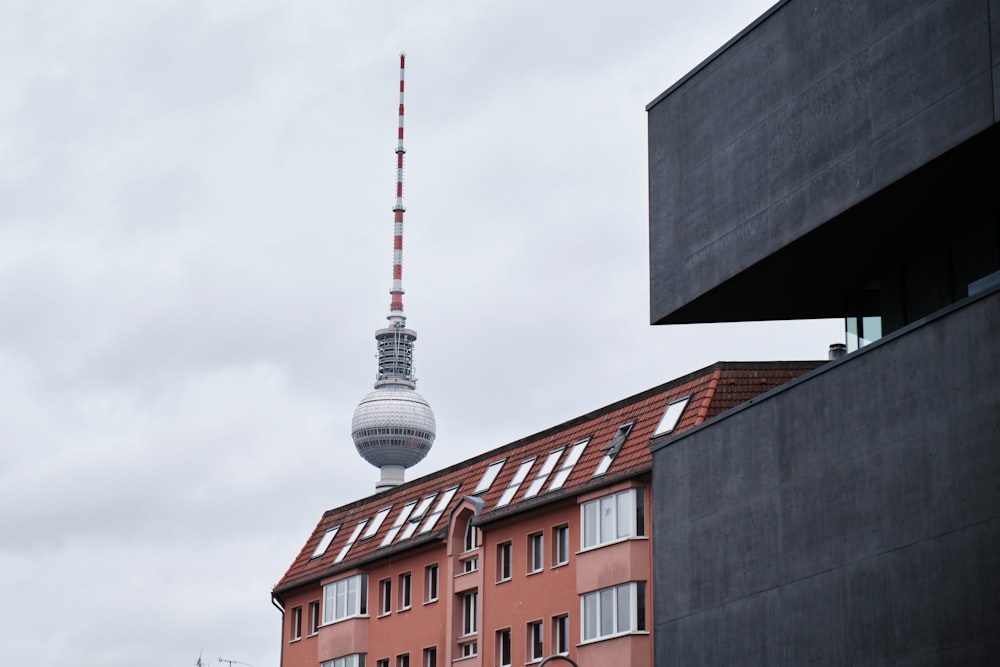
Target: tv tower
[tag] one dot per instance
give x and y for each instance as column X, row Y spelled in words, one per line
column 393, row 426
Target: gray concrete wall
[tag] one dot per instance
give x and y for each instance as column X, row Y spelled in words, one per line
column 851, row 518
column 812, row 110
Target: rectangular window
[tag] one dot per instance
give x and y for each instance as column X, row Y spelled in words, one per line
column 503, row 648
column 295, row 631
column 353, row 660
column 325, row 542
column 471, row 535
column 613, row 447
column 384, row 662
column 543, row 473
column 470, row 564
column 611, row 518
column 469, row 649
column 313, row 617
column 567, row 465
column 670, row 417
column 431, row 583
column 404, row 591
column 403, row 660
column 470, row 622
column 397, row 525
column 417, row 515
column 560, row 545
column 345, row 598
column 487, row 479
column 536, row 555
column 504, row 555
column 560, row 634
column 384, row 597
column 515, row 482
column 535, row 644
column 442, row 503
column 351, row 540
column 431, row 657
column 374, row 526
column 614, row 611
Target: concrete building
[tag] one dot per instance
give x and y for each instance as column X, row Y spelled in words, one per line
column 536, row 548
column 837, row 159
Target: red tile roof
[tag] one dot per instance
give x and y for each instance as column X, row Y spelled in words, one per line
column 712, row 390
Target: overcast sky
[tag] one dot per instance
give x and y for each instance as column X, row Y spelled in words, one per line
column 195, row 253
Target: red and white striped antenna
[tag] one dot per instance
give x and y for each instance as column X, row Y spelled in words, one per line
column 395, row 342
column 396, row 315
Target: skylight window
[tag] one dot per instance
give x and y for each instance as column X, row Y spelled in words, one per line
column 377, row 523
column 544, row 472
column 670, row 417
column 325, row 541
column 489, row 476
column 613, row 447
column 515, row 483
column 567, row 465
column 404, row 514
column 417, row 515
column 439, row 509
column 351, row 540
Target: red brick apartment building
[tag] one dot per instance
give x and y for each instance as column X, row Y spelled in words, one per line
column 537, row 548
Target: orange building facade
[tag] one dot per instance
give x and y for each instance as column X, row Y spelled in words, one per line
column 541, row 547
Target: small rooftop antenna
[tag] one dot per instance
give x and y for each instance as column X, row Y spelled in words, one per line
column 233, row 662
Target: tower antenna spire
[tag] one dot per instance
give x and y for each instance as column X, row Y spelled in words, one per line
column 396, row 316
column 393, row 427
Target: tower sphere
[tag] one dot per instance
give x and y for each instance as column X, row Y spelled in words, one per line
column 393, row 426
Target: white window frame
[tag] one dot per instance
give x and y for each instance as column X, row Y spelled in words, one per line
column 505, row 557
column 536, row 641
column 324, row 542
column 504, row 653
column 385, row 597
column 352, row 660
column 543, row 473
column 350, row 541
column 430, row 656
column 601, row 611
column 470, row 614
column 352, row 591
column 315, row 620
column 489, row 476
column 515, row 482
column 560, row 634
column 405, row 592
column 671, row 415
column 432, row 579
column 560, row 545
column 470, row 541
column 536, row 552
column 612, row 518
column 295, row 631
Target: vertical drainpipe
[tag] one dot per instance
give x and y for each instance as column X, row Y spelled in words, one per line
column 277, row 605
